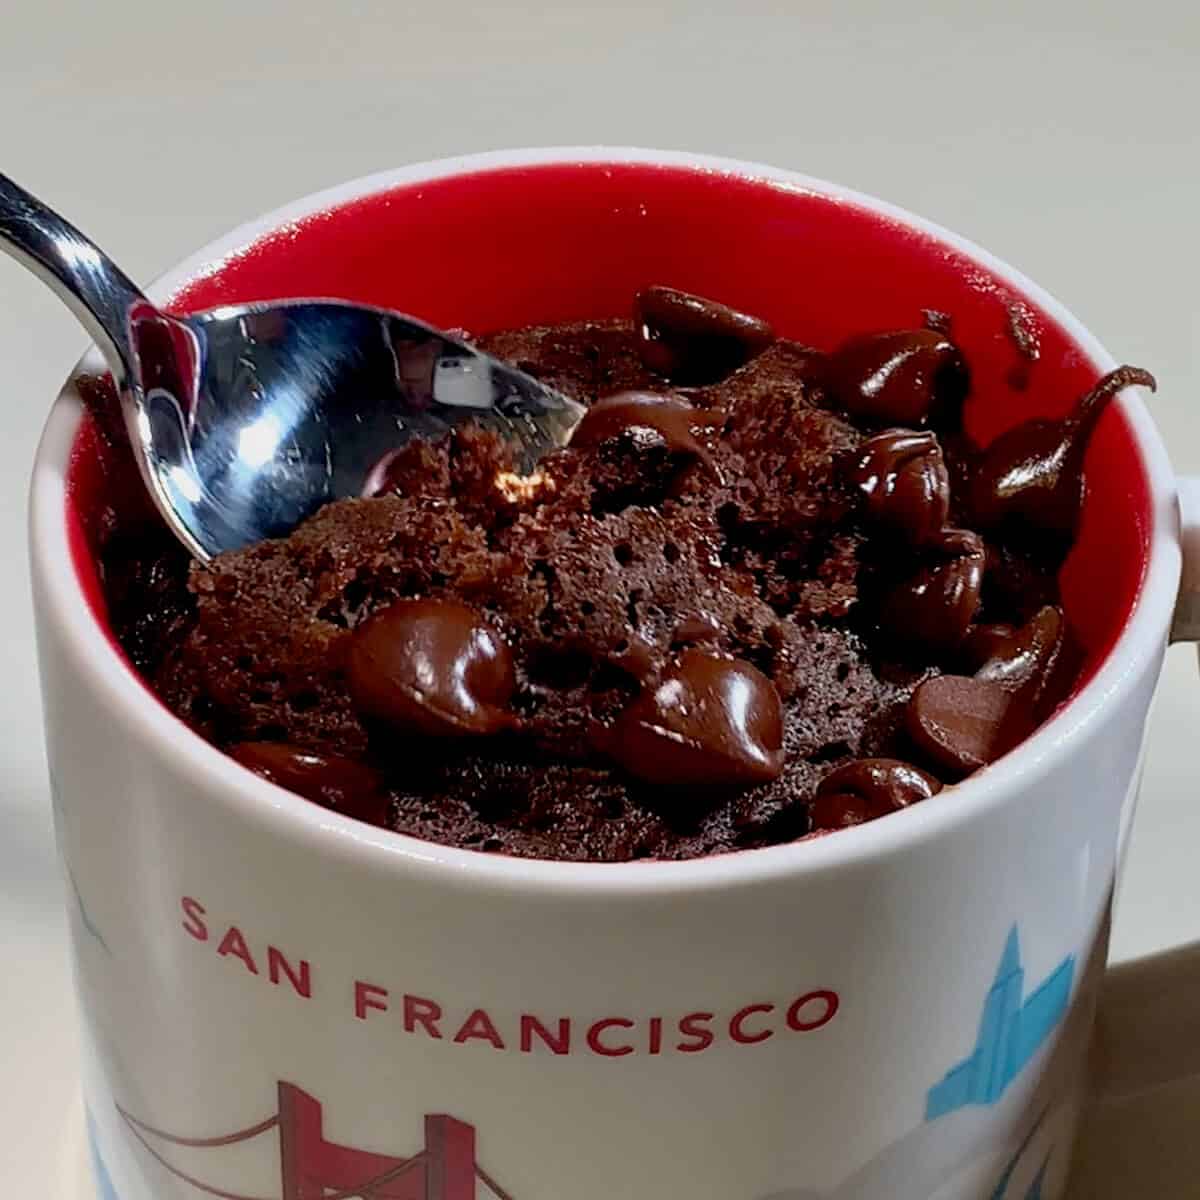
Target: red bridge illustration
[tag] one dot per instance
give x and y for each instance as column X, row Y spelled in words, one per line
column 314, row 1168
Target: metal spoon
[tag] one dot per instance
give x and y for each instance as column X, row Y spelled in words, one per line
column 246, row 419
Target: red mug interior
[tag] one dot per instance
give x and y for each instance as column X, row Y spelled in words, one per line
column 514, row 246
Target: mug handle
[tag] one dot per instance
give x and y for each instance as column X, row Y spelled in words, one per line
column 1137, row 1135
column 1185, row 627
column 1153, row 1049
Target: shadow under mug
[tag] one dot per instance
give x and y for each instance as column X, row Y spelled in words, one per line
column 278, row 1001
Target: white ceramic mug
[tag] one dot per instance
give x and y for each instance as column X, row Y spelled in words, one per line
column 280, row 1002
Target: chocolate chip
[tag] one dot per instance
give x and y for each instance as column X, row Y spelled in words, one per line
column 986, row 640
column 694, row 341
column 839, row 810
column 1037, row 662
column 935, row 606
column 1025, row 655
column 903, row 477
column 902, row 378
column 338, row 783
column 431, row 667
column 868, row 788
column 1033, row 474
column 963, row 724
column 671, row 417
column 710, row 721
column 887, row 783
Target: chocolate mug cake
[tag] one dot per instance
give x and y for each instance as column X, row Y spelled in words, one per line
column 766, row 592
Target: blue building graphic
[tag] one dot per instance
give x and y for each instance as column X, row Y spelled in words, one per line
column 1011, row 1031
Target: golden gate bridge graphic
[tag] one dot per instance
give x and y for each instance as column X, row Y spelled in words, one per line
column 313, row 1168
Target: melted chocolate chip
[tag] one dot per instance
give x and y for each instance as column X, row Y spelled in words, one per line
column 986, row 640
column 963, row 724
column 838, row 810
column 935, row 606
column 695, row 341
column 710, row 721
column 1021, row 657
column 904, row 479
column 902, row 378
column 431, row 667
column 869, row 788
column 1033, row 474
column 1036, row 662
column 672, row 418
column 338, row 783
column 889, row 783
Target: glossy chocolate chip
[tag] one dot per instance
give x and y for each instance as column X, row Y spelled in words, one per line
column 1033, row 474
column 904, row 482
column 886, row 784
column 838, row 810
column 1037, row 662
column 935, row 606
column 694, row 341
column 962, row 724
column 671, row 417
column 904, row 378
column 710, row 721
column 333, row 782
column 866, row 789
column 1022, row 657
column 984, row 641
column 431, row 667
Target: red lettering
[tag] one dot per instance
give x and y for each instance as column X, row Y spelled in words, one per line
column 596, row 1046
column 739, row 1034
column 829, row 1005
column 278, row 966
column 233, row 943
column 656, row 1035
column 695, row 1025
column 559, row 1043
column 479, row 1025
column 194, row 924
column 418, row 1011
column 368, row 995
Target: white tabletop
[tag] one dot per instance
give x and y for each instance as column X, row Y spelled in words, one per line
column 1062, row 136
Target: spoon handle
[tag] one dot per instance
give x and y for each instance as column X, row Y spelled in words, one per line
column 91, row 285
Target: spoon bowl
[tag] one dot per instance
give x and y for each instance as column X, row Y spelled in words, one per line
column 246, row 419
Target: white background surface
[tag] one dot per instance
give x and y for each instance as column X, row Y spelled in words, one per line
column 1061, row 135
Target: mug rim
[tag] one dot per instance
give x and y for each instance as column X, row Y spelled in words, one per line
column 249, row 798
